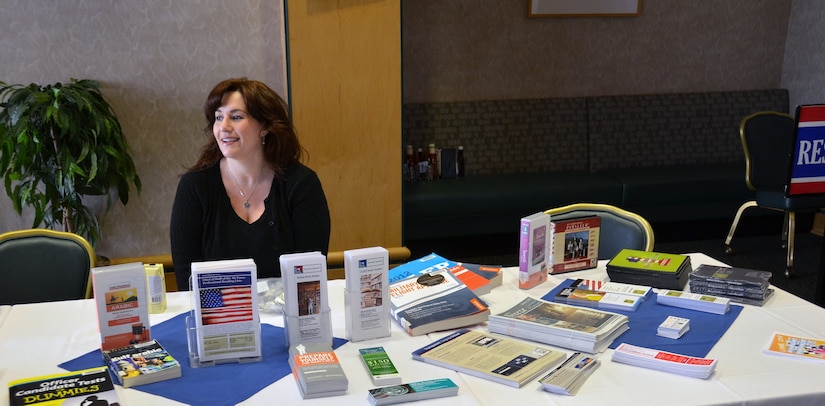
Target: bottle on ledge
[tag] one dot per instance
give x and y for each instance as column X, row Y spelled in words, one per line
column 459, row 161
column 410, row 165
column 423, row 167
column 432, row 161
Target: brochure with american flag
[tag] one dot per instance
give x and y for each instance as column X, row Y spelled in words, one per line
column 226, row 309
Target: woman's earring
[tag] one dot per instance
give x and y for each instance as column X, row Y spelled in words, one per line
column 263, row 139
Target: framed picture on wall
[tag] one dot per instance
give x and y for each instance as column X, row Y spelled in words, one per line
column 583, row 8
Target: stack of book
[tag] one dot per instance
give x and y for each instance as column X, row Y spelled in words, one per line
column 435, row 301
column 664, row 361
column 573, row 327
column 410, row 392
column 317, row 371
column 737, row 284
column 656, row 269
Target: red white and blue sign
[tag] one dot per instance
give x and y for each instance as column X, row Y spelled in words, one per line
column 808, row 165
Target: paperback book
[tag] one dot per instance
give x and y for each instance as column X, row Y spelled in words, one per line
column 575, row 244
column 796, row 347
column 481, row 279
column 664, row 361
column 424, row 265
column 367, row 294
column 122, row 305
column 569, row 377
column 307, row 317
column 141, row 364
column 225, row 310
column 577, row 328
column 535, row 239
column 435, row 301
column 413, row 391
column 496, row 358
column 317, row 371
column 492, row 273
column 91, row 386
column 655, row 269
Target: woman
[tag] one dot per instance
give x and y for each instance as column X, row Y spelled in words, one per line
column 248, row 195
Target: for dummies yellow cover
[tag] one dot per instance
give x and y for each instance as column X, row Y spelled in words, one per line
column 85, row 387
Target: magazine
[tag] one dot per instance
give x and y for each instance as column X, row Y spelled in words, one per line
column 575, row 244
column 499, row 359
column 573, row 327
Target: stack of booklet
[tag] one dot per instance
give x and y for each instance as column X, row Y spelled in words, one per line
column 693, row 301
column 409, row 392
column 569, row 377
column 737, row 284
column 656, row 269
column 664, row 361
column 581, row 293
column 573, row 327
column 317, row 371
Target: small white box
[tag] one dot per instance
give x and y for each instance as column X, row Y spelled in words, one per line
column 367, row 296
column 122, row 305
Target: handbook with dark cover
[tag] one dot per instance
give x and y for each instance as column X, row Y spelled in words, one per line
column 141, row 364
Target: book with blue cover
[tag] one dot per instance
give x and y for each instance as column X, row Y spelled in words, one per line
column 428, row 263
column 435, row 301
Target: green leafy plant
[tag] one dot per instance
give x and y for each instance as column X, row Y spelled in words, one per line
column 59, row 143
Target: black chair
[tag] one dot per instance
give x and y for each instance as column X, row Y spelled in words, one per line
column 619, row 228
column 768, row 140
column 40, row 265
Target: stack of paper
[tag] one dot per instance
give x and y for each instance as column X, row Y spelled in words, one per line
column 656, row 269
column 409, row 392
column 664, row 361
column 693, row 301
column 569, row 377
column 737, row 284
column 573, row 327
column 673, row 327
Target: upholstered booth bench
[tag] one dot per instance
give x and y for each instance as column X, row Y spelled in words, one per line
column 668, row 157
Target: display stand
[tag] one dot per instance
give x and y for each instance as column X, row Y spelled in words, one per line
column 223, row 326
column 192, row 334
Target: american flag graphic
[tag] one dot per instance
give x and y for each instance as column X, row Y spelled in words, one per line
column 226, row 305
column 591, row 284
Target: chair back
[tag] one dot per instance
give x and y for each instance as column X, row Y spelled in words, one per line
column 767, row 138
column 40, row 265
column 619, row 228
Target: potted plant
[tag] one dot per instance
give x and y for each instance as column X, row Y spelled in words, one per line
column 58, row 144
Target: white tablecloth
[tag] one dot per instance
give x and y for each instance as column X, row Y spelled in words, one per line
column 35, row 338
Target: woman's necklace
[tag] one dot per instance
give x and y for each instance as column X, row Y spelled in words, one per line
column 238, row 185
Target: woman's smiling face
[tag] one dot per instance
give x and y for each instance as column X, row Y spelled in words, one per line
column 236, row 132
